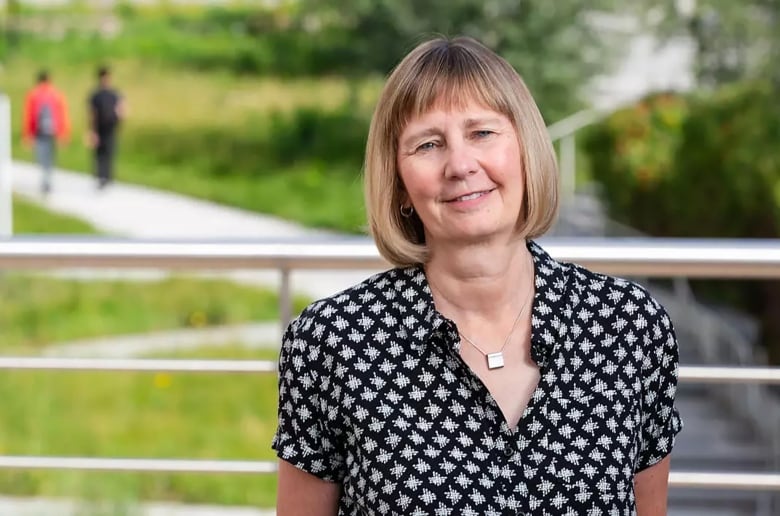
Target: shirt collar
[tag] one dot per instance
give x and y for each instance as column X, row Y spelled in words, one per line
column 421, row 321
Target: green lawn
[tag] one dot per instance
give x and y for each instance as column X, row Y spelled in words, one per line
column 153, row 415
column 38, row 310
column 29, row 218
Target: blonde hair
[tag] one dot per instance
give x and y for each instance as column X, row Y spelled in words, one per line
column 453, row 71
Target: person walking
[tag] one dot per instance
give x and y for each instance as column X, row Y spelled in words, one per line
column 105, row 114
column 45, row 123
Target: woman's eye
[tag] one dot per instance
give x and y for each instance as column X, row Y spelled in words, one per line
column 425, row 146
column 483, row 133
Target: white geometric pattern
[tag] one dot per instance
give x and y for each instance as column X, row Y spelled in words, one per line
column 373, row 394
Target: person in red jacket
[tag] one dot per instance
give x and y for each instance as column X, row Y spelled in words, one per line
column 46, row 123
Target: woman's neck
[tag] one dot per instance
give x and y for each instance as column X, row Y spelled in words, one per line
column 480, row 279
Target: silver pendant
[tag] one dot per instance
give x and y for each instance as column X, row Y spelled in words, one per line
column 495, row 360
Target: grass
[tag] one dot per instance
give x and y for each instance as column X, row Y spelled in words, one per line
column 229, row 160
column 40, row 310
column 152, row 415
column 29, row 218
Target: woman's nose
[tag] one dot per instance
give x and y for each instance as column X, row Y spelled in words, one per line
column 461, row 161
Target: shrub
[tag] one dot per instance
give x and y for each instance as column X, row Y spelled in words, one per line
column 699, row 167
column 632, row 155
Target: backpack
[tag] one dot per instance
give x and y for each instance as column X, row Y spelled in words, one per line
column 45, row 124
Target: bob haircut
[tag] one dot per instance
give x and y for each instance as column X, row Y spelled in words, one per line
column 453, row 72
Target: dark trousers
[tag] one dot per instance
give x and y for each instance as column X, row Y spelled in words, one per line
column 104, row 157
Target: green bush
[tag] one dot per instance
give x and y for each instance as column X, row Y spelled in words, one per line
column 699, row 167
column 632, row 155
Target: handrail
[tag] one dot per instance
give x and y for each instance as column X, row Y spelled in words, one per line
column 136, row 464
column 585, row 117
column 140, row 365
column 579, row 120
column 646, row 257
column 740, row 481
column 692, row 374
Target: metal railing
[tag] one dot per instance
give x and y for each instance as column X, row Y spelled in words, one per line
column 564, row 133
column 632, row 257
column 645, row 257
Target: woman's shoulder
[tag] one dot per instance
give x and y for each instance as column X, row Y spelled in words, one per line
column 607, row 293
column 370, row 298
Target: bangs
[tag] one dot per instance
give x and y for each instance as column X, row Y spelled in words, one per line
column 449, row 77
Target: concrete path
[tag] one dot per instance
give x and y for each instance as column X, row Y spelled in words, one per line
column 139, row 212
column 259, row 335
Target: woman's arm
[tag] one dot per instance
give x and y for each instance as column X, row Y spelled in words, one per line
column 651, row 486
column 301, row 493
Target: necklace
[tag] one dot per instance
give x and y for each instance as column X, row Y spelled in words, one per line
column 496, row 360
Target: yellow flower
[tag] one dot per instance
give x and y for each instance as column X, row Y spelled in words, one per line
column 198, row 319
column 162, row 380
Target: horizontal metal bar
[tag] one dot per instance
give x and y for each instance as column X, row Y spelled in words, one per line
column 101, row 252
column 697, row 374
column 707, row 374
column 646, row 257
column 737, row 481
column 139, row 364
column 741, row 481
column 138, row 465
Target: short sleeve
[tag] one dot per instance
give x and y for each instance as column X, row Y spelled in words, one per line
column 660, row 419
column 302, row 436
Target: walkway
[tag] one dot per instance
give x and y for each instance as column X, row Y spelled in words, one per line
column 139, row 212
column 255, row 335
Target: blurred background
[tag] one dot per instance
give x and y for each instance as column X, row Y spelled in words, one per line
column 247, row 119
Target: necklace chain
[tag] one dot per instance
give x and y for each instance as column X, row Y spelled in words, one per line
column 508, row 337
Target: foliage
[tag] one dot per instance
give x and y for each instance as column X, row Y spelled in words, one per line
column 342, row 37
column 633, row 154
column 374, row 35
column 733, row 41
column 678, row 166
column 154, row 415
column 700, row 169
column 39, row 310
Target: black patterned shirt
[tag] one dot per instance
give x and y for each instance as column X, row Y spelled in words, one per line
column 373, row 394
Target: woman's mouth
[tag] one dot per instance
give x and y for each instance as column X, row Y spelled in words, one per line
column 471, row 196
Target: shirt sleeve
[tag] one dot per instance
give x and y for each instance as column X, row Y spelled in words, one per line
column 303, row 436
column 660, row 419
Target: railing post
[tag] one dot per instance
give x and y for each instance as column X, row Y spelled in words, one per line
column 285, row 298
column 568, row 165
column 6, row 194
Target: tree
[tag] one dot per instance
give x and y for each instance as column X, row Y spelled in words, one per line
column 553, row 45
column 733, row 41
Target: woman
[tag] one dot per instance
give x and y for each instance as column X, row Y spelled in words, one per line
column 480, row 376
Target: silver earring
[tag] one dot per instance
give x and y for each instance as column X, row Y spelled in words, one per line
column 407, row 211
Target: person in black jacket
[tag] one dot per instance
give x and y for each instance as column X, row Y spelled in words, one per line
column 105, row 114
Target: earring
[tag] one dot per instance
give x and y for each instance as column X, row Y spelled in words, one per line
column 406, row 211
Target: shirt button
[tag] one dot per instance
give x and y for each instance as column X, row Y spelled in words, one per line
column 508, row 451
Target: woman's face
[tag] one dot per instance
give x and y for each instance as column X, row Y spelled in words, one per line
column 462, row 171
